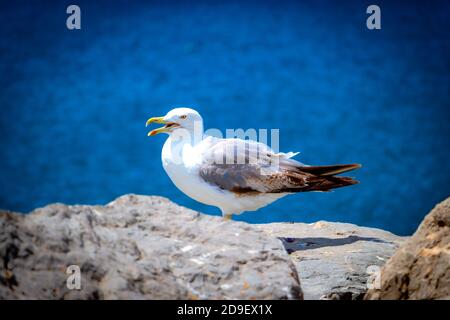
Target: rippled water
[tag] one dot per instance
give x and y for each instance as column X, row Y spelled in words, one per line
column 74, row 103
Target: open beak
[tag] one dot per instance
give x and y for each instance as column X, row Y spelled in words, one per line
column 167, row 128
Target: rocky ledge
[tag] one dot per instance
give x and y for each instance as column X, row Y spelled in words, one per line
column 335, row 261
column 146, row 247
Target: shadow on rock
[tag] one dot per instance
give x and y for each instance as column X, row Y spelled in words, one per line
column 299, row 244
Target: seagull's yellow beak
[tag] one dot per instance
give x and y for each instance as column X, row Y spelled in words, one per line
column 167, row 128
column 156, row 120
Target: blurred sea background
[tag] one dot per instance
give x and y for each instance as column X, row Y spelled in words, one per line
column 73, row 104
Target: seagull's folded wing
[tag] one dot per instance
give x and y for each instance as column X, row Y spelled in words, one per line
column 246, row 166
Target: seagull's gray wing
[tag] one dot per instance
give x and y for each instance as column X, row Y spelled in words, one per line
column 246, row 166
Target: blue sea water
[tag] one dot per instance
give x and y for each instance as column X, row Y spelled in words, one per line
column 73, row 104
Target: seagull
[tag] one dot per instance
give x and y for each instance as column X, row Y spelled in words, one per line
column 235, row 175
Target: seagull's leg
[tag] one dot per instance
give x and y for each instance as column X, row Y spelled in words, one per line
column 226, row 214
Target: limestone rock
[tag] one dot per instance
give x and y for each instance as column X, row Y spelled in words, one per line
column 140, row 247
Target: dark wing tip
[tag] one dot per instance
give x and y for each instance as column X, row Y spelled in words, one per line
column 330, row 170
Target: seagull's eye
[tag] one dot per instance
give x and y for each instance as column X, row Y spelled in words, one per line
column 183, row 116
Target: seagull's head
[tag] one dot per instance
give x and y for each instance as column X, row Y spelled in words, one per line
column 184, row 118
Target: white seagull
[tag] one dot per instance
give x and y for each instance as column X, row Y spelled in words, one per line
column 235, row 175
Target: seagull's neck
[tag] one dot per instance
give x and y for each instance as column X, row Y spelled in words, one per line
column 188, row 135
column 179, row 148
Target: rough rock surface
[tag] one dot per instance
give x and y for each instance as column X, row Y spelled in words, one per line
column 420, row 269
column 335, row 260
column 140, row 247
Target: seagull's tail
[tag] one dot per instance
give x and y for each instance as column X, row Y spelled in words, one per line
column 321, row 178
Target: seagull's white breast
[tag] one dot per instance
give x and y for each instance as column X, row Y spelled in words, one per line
column 181, row 165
